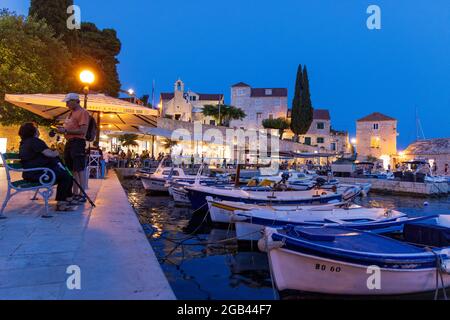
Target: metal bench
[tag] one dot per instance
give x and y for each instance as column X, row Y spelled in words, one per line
column 11, row 162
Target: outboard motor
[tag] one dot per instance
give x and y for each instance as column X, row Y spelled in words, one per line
column 282, row 184
column 284, row 177
column 320, row 182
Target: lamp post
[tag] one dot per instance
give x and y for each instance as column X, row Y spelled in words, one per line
column 87, row 78
column 132, row 95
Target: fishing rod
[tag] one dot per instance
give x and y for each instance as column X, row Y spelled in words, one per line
column 63, row 167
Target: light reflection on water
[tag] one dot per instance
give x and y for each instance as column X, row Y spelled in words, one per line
column 199, row 261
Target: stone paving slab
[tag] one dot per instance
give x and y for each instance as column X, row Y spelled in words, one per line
column 107, row 243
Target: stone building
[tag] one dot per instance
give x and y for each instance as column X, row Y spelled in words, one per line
column 376, row 137
column 258, row 104
column 322, row 135
column 187, row 105
column 435, row 151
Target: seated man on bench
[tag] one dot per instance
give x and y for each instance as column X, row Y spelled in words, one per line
column 34, row 153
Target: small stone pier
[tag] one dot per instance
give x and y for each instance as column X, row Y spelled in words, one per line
column 107, row 244
column 402, row 187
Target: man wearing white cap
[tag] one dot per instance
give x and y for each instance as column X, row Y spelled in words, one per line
column 75, row 128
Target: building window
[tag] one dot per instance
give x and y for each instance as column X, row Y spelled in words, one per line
column 308, row 141
column 241, row 92
column 177, row 116
column 212, row 122
column 258, row 116
column 333, row 146
column 375, row 126
column 374, row 142
column 268, row 92
column 320, row 140
column 320, row 125
column 193, row 98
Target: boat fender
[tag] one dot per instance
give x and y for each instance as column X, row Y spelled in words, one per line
column 237, row 218
column 266, row 245
column 445, row 265
column 426, row 203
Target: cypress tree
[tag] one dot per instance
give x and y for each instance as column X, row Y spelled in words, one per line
column 296, row 123
column 306, row 109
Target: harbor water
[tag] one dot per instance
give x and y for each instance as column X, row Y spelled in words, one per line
column 203, row 261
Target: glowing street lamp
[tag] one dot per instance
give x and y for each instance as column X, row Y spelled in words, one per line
column 131, row 92
column 87, row 78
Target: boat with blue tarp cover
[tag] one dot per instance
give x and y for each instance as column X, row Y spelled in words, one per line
column 344, row 261
column 250, row 224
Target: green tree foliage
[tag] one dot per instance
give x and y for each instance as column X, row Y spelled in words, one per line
column 281, row 124
column 129, row 140
column 306, row 109
column 97, row 50
column 227, row 113
column 167, row 143
column 32, row 60
column 54, row 12
column 91, row 48
column 296, row 104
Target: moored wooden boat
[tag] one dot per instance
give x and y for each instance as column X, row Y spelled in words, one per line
column 343, row 261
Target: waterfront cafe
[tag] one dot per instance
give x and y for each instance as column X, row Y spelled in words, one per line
column 114, row 116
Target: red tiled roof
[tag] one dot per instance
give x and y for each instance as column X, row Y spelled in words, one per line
column 240, row 84
column 376, row 116
column 167, row 96
column 210, row 96
column 321, row 114
column 276, row 92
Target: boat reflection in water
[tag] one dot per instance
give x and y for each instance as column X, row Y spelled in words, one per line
column 203, row 261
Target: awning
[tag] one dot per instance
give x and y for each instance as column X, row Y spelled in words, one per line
column 115, row 114
column 176, row 135
column 292, row 154
column 159, row 132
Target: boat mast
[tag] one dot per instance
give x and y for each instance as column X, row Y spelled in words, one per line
column 419, row 130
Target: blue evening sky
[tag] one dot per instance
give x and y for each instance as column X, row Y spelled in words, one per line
column 353, row 70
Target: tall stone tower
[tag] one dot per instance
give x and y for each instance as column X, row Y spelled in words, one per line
column 376, row 136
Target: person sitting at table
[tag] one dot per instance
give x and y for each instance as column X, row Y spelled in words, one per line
column 34, row 153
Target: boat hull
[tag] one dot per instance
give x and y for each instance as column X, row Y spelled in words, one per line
column 223, row 213
column 155, row 185
column 297, row 271
column 199, row 202
column 179, row 196
column 248, row 231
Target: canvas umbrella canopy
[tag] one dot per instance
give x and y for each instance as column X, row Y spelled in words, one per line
column 114, row 114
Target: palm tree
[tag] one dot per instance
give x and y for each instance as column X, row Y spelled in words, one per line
column 227, row 113
column 169, row 144
column 282, row 124
column 129, row 140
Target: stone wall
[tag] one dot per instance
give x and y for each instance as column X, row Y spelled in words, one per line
column 285, row 145
column 11, row 133
column 266, row 107
column 402, row 187
column 386, row 135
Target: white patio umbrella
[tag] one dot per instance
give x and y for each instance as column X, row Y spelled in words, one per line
column 114, row 114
